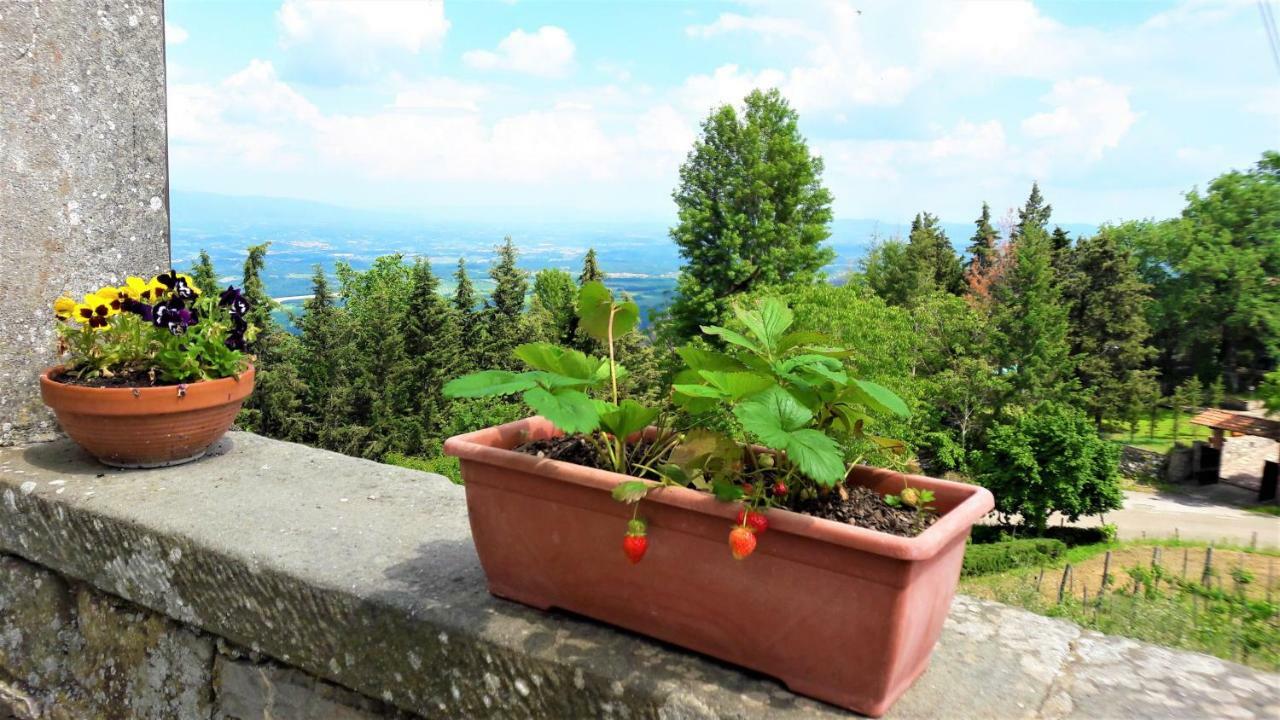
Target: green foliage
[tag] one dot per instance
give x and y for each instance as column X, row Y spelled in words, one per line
column 1107, row 304
column 552, row 311
column 1212, row 271
column 591, row 271
column 1270, row 392
column 204, row 276
column 1000, row 556
column 752, row 210
column 503, row 318
column 984, row 249
column 888, row 271
column 788, row 389
column 926, row 264
column 438, row 464
column 1049, row 459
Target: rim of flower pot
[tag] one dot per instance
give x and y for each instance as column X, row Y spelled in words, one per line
column 160, row 400
column 487, row 446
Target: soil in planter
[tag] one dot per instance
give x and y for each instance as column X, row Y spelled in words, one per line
column 138, row 379
column 861, row 506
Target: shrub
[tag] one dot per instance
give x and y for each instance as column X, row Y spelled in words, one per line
column 440, row 465
column 1001, row 556
column 1049, row 459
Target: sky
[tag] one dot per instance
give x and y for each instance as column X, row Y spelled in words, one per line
column 585, row 110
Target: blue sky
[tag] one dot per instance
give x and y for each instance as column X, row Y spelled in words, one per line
column 585, row 109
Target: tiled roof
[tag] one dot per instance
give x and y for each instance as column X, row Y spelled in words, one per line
column 1235, row 422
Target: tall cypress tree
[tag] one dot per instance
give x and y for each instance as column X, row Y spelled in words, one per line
column 203, row 274
column 935, row 263
column 432, row 343
column 591, row 271
column 504, row 316
column 1031, row 323
column 1108, row 305
column 752, row 210
column 984, row 246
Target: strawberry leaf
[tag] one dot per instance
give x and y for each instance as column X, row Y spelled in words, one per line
column 699, row 359
column 879, row 397
column 736, row 385
column 817, row 456
column 772, row 416
column 597, row 310
column 569, row 410
column 629, row 417
column 488, row 383
column 730, row 336
column 630, row 491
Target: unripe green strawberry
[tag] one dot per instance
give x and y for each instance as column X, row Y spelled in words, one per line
column 765, row 461
column 742, row 542
column 910, row 496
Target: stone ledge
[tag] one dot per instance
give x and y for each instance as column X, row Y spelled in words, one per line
column 364, row 575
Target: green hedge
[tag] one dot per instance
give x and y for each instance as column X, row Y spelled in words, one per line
column 1000, row 556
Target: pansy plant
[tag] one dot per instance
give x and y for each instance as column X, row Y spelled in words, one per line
column 162, row 328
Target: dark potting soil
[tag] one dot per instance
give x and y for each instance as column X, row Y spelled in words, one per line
column 861, row 506
column 124, row 380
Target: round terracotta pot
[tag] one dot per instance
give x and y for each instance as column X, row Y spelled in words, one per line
column 150, row 426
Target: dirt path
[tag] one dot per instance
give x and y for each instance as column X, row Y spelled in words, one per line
column 1190, row 516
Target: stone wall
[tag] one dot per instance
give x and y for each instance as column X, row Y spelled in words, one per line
column 70, row 651
column 83, row 173
column 1141, row 464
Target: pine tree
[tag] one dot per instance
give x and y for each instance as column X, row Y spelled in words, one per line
column 934, row 262
column 1034, row 214
column 275, row 407
column 321, row 345
column 553, row 310
column 432, row 343
column 591, row 271
column 984, row 246
column 504, row 316
column 752, row 210
column 205, row 277
column 1031, row 330
column 1108, row 306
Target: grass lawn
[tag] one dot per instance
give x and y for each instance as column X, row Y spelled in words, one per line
column 1265, row 509
column 1154, row 593
column 1162, row 439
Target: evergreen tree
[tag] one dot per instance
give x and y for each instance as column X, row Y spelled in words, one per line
column 433, row 346
column 504, row 320
column 203, row 274
column 468, row 318
column 553, row 310
column 1063, row 259
column 591, row 271
column 934, row 262
column 275, row 407
column 1107, row 304
column 322, row 347
column 889, row 272
column 1031, row 330
column 752, row 210
column 1034, row 214
column 984, row 246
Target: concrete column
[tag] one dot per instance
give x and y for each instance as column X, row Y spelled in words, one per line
column 84, row 178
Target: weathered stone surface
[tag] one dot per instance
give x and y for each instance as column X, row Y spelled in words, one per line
column 247, row 691
column 1141, row 464
column 364, row 576
column 83, row 172
column 84, row 654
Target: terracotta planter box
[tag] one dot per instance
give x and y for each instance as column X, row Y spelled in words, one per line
column 837, row 612
column 146, row 427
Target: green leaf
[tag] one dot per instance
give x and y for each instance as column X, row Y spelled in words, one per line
column 817, row 456
column 596, row 309
column 732, row 337
column 800, row 338
column 562, row 361
column 629, row 417
column 768, row 323
column 698, row 391
column 569, row 410
column 699, row 359
column 736, row 385
column 725, row 490
column 630, row 491
column 772, row 415
column 880, row 398
column 700, row 445
column 675, row 474
column 488, row 383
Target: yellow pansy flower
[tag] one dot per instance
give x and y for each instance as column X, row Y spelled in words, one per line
column 135, row 288
column 64, row 307
column 93, row 312
column 111, row 295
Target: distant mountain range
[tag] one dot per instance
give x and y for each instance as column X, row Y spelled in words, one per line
column 639, row 256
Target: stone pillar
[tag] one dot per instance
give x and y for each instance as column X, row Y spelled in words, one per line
column 84, row 177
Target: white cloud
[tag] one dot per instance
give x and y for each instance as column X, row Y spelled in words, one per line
column 174, row 34
column 440, row 93
column 352, row 40
column 546, row 52
column 766, row 26
column 1090, row 115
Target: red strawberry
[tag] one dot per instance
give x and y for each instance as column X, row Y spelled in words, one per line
column 756, row 522
column 634, row 546
column 779, row 488
column 742, row 542
column 748, row 488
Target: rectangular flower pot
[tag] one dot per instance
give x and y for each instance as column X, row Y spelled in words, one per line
column 836, row 612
